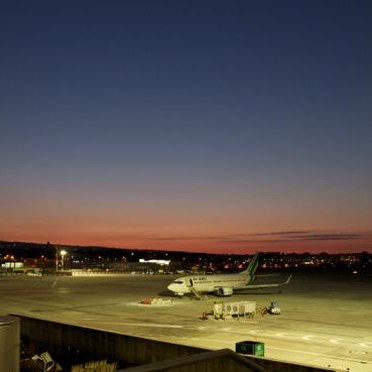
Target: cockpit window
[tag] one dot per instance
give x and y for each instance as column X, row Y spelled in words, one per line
column 178, row 281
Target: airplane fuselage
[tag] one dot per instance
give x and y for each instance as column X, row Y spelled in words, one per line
column 208, row 283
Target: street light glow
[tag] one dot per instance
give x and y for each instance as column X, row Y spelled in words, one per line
column 63, row 253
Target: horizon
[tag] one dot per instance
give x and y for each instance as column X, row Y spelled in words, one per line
column 189, row 126
column 285, row 252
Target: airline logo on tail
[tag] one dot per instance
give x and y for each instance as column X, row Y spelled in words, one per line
column 251, row 269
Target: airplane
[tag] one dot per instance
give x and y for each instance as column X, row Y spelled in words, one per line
column 221, row 284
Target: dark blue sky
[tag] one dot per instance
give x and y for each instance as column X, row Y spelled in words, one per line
column 185, row 121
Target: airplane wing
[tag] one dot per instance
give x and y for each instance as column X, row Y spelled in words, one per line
column 259, row 286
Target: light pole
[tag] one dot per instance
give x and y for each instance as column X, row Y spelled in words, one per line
column 63, row 254
column 56, row 258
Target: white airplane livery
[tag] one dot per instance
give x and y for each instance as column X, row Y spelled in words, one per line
column 221, row 285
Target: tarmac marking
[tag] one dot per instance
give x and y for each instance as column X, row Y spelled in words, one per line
column 363, row 344
column 335, row 340
column 310, row 338
column 307, row 337
column 144, row 325
column 280, row 334
column 55, row 282
column 302, row 352
column 295, row 336
column 320, row 355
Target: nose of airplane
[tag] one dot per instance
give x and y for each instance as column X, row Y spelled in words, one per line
column 171, row 287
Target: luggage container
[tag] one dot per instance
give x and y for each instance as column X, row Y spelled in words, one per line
column 250, row 348
column 239, row 308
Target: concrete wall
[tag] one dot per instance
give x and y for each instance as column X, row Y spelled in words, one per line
column 9, row 343
column 69, row 342
column 72, row 341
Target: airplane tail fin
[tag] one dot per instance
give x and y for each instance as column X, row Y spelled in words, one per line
column 251, row 269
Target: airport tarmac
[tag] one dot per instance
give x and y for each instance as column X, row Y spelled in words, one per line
column 325, row 320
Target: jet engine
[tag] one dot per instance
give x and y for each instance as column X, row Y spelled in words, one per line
column 223, row 291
